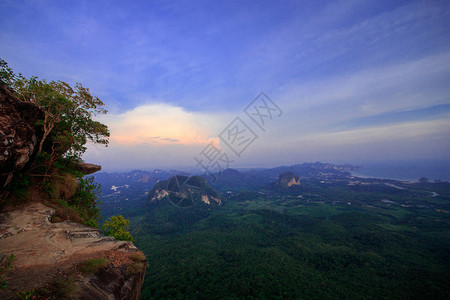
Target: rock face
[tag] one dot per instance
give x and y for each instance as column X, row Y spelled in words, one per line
column 46, row 252
column 185, row 191
column 19, row 134
column 86, row 168
column 288, row 179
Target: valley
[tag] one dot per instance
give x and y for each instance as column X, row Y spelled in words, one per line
column 331, row 236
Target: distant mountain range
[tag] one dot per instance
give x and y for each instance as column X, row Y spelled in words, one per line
column 129, row 189
column 127, row 183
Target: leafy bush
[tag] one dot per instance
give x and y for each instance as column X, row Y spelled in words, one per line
column 118, row 227
column 74, row 198
column 26, row 295
column 86, row 200
column 3, row 269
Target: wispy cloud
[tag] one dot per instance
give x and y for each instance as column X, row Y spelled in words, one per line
column 351, row 76
column 404, row 86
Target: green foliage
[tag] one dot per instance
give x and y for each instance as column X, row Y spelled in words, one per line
column 8, row 265
column 91, row 266
column 6, row 73
column 82, row 206
column 19, row 186
column 283, row 247
column 86, row 200
column 69, row 111
column 68, row 124
column 26, row 295
column 118, row 227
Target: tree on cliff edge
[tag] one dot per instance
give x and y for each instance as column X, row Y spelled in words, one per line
column 118, row 227
column 65, row 126
column 68, row 124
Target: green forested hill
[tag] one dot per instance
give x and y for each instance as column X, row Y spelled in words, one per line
column 324, row 241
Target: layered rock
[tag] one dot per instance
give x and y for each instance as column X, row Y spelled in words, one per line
column 86, row 168
column 46, row 252
column 19, row 133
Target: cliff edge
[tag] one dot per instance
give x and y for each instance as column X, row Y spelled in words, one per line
column 53, row 258
column 41, row 143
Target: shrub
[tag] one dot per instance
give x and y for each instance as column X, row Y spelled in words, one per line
column 92, row 266
column 135, row 268
column 26, row 295
column 85, row 199
column 138, row 257
column 118, row 227
column 4, row 268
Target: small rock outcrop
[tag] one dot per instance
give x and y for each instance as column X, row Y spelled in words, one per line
column 19, row 134
column 287, row 180
column 87, row 169
column 49, row 252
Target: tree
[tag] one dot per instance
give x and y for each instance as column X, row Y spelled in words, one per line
column 118, row 227
column 68, row 124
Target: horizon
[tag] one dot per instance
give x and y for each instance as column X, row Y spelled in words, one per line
column 405, row 170
column 347, row 81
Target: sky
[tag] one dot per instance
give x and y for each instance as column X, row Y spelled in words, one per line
column 343, row 81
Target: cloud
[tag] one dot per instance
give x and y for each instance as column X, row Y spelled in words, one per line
column 408, row 140
column 161, row 124
column 432, row 112
column 343, row 72
column 385, row 134
column 415, row 84
column 156, row 135
column 322, row 120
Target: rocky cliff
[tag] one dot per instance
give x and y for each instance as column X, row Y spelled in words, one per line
column 19, row 133
column 287, row 180
column 184, row 191
column 63, row 260
column 51, row 258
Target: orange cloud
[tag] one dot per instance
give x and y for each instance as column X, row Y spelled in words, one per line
column 161, row 124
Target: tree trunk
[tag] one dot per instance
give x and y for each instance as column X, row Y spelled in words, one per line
column 47, row 129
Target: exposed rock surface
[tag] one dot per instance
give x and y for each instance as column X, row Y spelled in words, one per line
column 86, row 168
column 19, row 134
column 288, row 179
column 47, row 251
column 185, row 191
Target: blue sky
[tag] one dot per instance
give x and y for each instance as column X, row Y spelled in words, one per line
column 356, row 80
